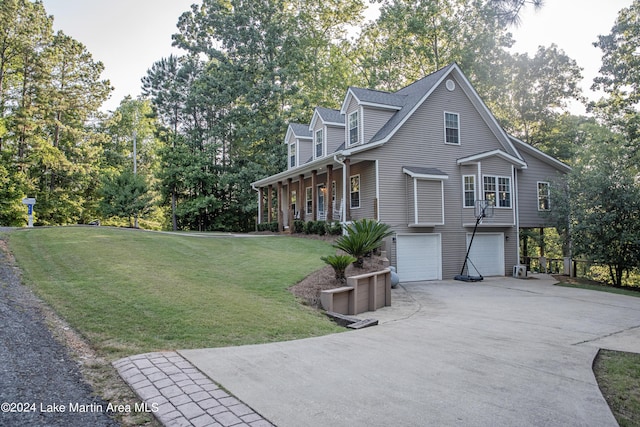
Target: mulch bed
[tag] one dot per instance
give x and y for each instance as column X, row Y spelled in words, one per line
column 308, row 290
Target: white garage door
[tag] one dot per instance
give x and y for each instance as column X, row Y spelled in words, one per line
column 419, row 257
column 487, row 254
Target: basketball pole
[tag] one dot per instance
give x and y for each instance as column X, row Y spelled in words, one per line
column 467, row 277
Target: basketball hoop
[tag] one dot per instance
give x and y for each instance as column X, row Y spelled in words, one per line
column 484, row 209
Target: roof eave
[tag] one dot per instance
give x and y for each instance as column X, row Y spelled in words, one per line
column 469, row 160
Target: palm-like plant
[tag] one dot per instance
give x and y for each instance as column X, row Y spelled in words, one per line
column 339, row 264
column 362, row 237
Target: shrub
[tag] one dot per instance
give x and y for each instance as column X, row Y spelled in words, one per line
column 363, row 237
column 339, row 264
column 268, row 226
column 320, row 228
column 334, row 228
column 298, row 226
column 308, row 227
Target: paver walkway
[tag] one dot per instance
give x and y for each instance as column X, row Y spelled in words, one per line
column 180, row 395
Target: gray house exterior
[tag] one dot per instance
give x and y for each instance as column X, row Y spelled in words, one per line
column 418, row 160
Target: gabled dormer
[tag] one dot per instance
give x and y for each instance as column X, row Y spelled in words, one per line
column 298, row 141
column 366, row 111
column 327, row 130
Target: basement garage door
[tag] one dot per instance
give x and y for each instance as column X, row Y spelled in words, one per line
column 487, row 254
column 419, row 257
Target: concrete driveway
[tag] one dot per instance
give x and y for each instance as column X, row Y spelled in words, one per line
column 503, row 352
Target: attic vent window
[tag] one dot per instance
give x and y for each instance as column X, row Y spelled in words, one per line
column 451, row 85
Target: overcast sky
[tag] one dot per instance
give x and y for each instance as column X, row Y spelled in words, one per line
column 128, row 36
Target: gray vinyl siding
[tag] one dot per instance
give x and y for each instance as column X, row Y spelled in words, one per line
column 305, row 151
column 351, row 107
column 429, row 201
column 528, row 179
column 334, row 138
column 367, row 173
column 319, row 125
column 372, row 120
column 420, row 142
column 292, row 139
column 429, row 197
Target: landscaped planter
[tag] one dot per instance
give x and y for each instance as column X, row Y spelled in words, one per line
column 365, row 292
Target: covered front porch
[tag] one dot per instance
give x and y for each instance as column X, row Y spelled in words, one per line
column 313, row 192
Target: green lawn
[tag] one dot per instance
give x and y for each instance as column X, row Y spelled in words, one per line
column 131, row 291
column 618, row 375
column 599, row 287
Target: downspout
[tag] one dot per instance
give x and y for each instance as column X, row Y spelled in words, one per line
column 339, row 158
column 378, row 192
column 516, row 212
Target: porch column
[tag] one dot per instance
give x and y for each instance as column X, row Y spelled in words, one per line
column 314, row 195
column 290, row 212
column 260, row 204
column 270, row 203
column 302, row 197
column 280, row 222
column 329, row 202
column 347, row 187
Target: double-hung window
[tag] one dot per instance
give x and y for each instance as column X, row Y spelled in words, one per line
column 319, row 143
column 355, row 191
column 469, row 183
column 292, row 155
column 544, row 196
column 309, row 201
column 497, row 189
column 353, row 128
column 451, row 128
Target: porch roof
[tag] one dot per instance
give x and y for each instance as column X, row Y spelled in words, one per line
column 424, row 172
column 497, row 153
column 320, row 165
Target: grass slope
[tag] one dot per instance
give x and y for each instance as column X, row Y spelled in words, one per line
column 618, row 375
column 131, row 292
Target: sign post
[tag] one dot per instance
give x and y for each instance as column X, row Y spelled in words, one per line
column 29, row 201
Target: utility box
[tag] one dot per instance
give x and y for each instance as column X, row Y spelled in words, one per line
column 520, row 271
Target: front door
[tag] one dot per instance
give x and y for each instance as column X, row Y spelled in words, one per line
column 322, row 192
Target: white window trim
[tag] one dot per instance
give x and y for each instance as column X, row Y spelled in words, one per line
column 359, row 192
column 308, row 197
column 444, row 121
column 416, row 212
column 349, row 143
column 497, row 191
column 464, row 190
column 548, row 195
column 315, row 143
column 295, row 155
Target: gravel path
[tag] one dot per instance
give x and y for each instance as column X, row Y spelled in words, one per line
column 40, row 384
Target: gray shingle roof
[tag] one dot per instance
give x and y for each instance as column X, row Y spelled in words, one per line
column 378, row 97
column 329, row 115
column 411, row 94
column 300, row 130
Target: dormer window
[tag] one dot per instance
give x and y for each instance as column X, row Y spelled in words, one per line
column 319, row 143
column 353, row 128
column 292, row 155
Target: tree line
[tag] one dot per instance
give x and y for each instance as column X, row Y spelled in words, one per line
column 212, row 119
